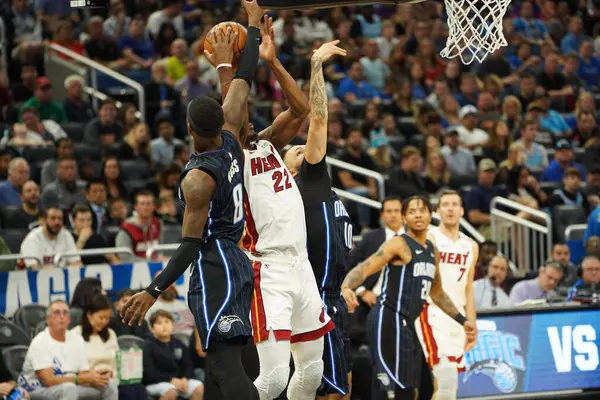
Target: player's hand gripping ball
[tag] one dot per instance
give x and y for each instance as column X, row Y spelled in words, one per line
column 224, row 43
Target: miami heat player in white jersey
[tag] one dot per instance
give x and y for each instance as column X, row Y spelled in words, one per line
column 442, row 338
column 286, row 300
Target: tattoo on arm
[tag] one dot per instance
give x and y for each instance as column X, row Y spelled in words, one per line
column 440, row 298
column 355, row 277
column 318, row 94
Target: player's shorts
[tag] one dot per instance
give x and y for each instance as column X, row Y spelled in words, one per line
column 336, row 355
column 286, row 301
column 441, row 337
column 220, row 292
column 395, row 350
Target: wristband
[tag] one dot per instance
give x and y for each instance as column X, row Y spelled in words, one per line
column 224, row 65
column 76, row 379
column 360, row 290
column 460, row 319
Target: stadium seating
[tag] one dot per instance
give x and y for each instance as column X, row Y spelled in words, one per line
column 5, row 211
column 14, row 358
column 42, row 153
column 74, row 131
column 13, row 239
column 11, row 334
column 29, row 316
column 564, row 216
column 134, row 169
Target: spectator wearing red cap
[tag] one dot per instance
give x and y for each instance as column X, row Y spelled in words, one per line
column 43, row 102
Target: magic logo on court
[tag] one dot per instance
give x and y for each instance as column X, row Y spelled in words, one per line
column 497, row 355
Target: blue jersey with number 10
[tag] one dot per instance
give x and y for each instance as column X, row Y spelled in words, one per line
column 226, row 213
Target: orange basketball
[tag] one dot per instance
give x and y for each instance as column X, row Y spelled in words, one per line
column 238, row 47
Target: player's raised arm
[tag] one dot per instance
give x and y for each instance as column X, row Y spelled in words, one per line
column 286, row 125
column 393, row 248
column 235, row 104
column 316, row 144
column 441, row 299
column 198, row 189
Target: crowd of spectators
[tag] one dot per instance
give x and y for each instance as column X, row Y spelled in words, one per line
column 75, row 174
column 528, row 111
column 76, row 352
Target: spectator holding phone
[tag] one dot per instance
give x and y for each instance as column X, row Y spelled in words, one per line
column 101, row 345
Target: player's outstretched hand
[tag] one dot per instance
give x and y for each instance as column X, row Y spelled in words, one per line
column 255, row 13
column 471, row 331
column 223, row 43
column 136, row 308
column 350, row 298
column 327, row 50
column 266, row 51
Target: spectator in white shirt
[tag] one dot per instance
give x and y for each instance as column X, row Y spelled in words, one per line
column 48, row 240
column 56, row 365
column 469, row 135
column 171, row 12
column 488, row 291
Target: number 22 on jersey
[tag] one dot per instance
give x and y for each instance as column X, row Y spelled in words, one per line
column 281, row 181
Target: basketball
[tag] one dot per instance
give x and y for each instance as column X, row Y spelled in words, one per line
column 238, row 48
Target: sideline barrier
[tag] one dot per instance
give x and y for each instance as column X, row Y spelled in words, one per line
column 18, row 288
column 533, row 351
column 93, row 252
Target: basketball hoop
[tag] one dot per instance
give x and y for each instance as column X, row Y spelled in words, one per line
column 475, row 28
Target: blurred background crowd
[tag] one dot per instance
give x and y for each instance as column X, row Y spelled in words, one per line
column 86, row 162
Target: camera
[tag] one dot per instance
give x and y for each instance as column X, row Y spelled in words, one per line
column 89, row 3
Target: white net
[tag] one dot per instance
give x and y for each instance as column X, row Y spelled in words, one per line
column 475, row 28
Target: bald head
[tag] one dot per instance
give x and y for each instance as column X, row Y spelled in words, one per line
column 590, row 270
column 179, row 48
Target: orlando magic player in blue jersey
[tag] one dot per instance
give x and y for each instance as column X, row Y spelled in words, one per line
column 328, row 226
column 221, row 283
column 410, row 276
